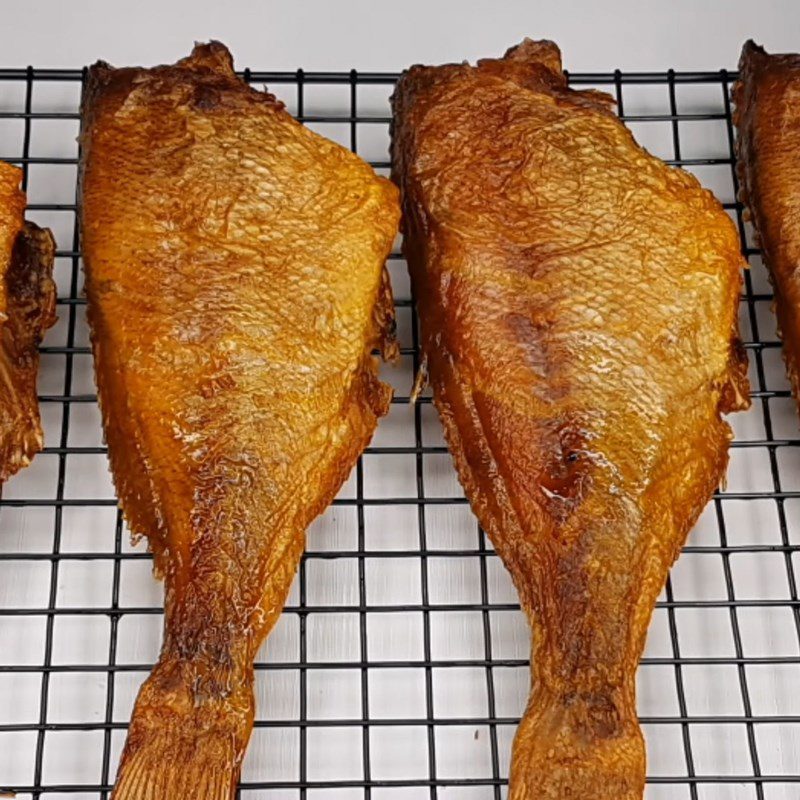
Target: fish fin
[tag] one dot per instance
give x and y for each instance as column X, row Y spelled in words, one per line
column 384, row 319
column 148, row 774
column 420, row 380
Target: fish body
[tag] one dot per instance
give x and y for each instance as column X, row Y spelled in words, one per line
column 27, row 310
column 767, row 98
column 578, row 309
column 236, row 291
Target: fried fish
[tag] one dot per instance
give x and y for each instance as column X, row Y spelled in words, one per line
column 578, row 308
column 237, row 291
column 27, row 310
column 768, row 164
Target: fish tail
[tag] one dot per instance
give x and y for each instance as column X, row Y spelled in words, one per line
column 585, row 745
column 147, row 775
column 188, row 735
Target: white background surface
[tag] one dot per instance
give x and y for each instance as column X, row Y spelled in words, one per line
column 380, row 35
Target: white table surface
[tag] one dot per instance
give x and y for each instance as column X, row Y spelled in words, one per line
column 378, row 35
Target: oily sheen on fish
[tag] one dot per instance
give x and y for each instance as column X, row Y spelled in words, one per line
column 237, row 289
column 767, row 119
column 27, row 310
column 577, row 300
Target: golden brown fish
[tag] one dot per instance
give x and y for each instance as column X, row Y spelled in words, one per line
column 578, row 301
column 27, row 310
column 236, row 288
column 767, row 118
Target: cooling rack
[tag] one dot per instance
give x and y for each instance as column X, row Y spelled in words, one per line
column 400, row 665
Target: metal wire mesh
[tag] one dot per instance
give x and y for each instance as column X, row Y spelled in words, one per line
column 399, row 668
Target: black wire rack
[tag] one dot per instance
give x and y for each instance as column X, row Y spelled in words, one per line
column 399, row 667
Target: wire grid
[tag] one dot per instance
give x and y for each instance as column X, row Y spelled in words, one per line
column 400, row 666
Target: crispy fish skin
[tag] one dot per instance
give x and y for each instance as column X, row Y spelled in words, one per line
column 236, row 289
column 28, row 302
column 766, row 98
column 577, row 301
